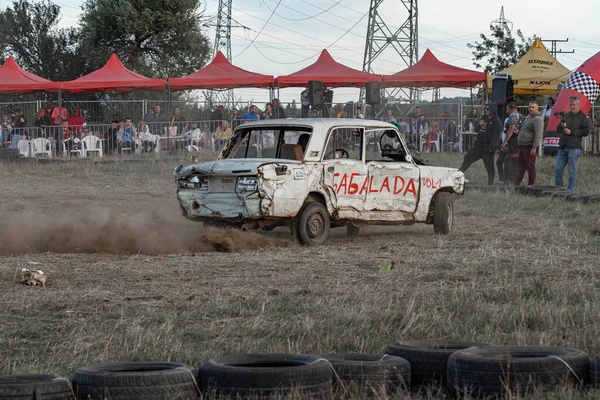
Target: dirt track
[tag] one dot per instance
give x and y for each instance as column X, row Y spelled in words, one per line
column 517, row 270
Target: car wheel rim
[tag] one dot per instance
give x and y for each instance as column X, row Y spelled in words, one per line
column 315, row 225
column 450, row 216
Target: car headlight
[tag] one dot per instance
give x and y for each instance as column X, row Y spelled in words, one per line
column 246, row 184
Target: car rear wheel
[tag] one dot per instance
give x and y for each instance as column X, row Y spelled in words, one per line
column 443, row 214
column 313, row 224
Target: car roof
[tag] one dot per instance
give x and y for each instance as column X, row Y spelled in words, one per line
column 318, row 123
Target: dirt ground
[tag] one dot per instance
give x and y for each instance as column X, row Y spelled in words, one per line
column 130, row 279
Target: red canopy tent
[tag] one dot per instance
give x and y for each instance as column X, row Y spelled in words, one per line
column 430, row 72
column 113, row 76
column 14, row 79
column 221, row 74
column 332, row 73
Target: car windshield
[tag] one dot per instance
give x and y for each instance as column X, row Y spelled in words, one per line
column 288, row 143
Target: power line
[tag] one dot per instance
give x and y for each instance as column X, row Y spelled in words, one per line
column 261, row 29
column 308, row 16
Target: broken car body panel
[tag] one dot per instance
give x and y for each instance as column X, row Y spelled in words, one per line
column 361, row 170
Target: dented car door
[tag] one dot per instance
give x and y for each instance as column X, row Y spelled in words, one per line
column 344, row 170
column 393, row 185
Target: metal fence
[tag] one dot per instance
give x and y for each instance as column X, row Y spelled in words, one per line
column 195, row 116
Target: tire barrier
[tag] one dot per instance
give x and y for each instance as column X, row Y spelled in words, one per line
column 27, row 387
column 376, row 375
column 266, row 376
column 427, row 358
column 484, row 371
column 136, row 381
column 464, row 369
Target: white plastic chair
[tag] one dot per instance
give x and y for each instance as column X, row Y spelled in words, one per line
column 92, row 144
column 42, row 147
column 79, row 151
column 24, row 147
column 436, row 143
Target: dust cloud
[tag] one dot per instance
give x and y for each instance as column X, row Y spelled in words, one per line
column 113, row 233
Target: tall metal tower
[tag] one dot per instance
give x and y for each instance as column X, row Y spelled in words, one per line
column 403, row 42
column 502, row 22
column 223, row 44
column 223, row 35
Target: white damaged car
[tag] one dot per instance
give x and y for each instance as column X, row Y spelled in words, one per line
column 315, row 174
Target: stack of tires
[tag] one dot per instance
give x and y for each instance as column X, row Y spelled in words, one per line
column 464, row 369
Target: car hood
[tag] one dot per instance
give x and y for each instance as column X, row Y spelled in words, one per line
column 236, row 166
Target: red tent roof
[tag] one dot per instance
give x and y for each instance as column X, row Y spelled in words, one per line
column 332, row 73
column 430, row 72
column 221, row 74
column 14, row 79
column 113, row 76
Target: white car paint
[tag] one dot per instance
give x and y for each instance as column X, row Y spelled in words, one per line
column 372, row 192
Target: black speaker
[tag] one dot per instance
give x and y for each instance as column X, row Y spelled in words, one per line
column 373, row 93
column 502, row 88
column 315, row 93
column 502, row 92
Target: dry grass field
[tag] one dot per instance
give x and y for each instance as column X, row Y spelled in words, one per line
column 130, row 279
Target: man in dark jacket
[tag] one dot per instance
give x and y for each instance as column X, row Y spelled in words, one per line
column 486, row 143
column 278, row 111
column 572, row 127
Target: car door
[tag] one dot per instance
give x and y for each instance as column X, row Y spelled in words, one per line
column 344, row 170
column 394, row 185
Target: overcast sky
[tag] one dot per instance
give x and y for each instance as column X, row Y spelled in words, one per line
column 300, row 29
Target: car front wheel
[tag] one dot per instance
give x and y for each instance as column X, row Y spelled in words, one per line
column 313, row 224
column 443, row 214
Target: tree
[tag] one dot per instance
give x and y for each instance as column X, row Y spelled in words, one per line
column 500, row 49
column 30, row 33
column 156, row 38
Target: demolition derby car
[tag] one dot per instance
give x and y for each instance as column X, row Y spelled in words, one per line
column 315, row 174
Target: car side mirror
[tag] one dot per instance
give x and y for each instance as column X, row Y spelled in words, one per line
column 408, row 158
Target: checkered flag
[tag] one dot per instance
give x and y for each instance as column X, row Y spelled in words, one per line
column 584, row 84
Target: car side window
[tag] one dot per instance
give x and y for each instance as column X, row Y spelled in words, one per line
column 344, row 143
column 383, row 145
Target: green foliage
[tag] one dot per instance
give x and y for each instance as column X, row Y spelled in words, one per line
column 30, row 33
column 500, row 49
column 156, row 38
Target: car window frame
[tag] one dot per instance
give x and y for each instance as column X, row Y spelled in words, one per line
column 400, row 138
column 362, row 143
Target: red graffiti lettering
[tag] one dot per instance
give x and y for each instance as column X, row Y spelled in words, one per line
column 335, row 175
column 398, row 184
column 385, row 184
column 352, row 186
column 371, row 190
column 364, row 187
column 343, row 184
column 410, row 188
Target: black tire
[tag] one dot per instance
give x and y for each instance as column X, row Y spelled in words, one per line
column 493, row 370
column 266, row 375
column 313, row 224
column 375, row 374
column 555, row 194
column 537, row 190
column 427, row 358
column 595, row 372
column 27, row 387
column 443, row 213
column 137, row 380
column 352, row 230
